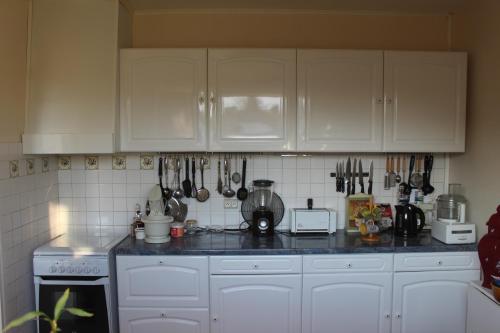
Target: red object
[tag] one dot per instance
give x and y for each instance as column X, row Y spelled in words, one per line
column 489, row 249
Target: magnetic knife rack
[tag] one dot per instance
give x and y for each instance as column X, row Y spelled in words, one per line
column 365, row 174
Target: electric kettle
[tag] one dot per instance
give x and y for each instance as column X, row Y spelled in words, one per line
column 410, row 220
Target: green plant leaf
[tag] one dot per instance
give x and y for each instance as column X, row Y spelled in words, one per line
column 61, row 303
column 24, row 318
column 79, row 312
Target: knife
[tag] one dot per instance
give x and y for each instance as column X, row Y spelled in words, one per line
column 348, row 176
column 342, row 177
column 361, row 180
column 337, row 177
column 353, row 190
column 370, row 179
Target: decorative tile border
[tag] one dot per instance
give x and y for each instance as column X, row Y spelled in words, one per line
column 147, row 162
column 14, row 168
column 91, row 163
column 119, row 162
column 30, row 166
column 45, row 164
column 64, row 163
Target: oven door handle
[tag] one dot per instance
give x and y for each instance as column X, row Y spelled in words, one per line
column 99, row 282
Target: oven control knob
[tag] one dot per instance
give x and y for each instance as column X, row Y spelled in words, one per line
column 87, row 270
column 96, row 270
column 61, row 269
column 79, row 270
column 70, row 269
column 53, row 269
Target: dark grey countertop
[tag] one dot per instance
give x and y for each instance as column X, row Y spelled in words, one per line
column 241, row 243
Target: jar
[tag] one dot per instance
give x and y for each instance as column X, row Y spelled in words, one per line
column 177, row 230
column 139, row 233
column 191, row 226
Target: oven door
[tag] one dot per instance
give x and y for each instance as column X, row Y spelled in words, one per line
column 91, row 295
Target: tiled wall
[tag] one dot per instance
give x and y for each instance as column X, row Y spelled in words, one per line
column 107, row 196
column 29, row 215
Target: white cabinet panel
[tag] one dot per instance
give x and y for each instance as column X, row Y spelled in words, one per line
column 348, row 263
column 151, row 281
column 255, row 264
column 431, row 302
column 340, row 96
column 163, row 100
column 436, row 261
column 255, row 303
column 346, row 303
column 72, row 77
column 425, row 100
column 483, row 312
column 252, row 95
column 144, row 320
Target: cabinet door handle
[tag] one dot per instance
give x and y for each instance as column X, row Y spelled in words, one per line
column 387, row 316
column 349, row 265
column 161, row 262
column 163, row 315
column 255, row 266
column 380, row 100
column 440, row 262
column 388, row 100
column 201, row 99
column 398, row 316
column 215, row 319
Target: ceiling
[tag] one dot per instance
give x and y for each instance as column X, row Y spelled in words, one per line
column 425, row 6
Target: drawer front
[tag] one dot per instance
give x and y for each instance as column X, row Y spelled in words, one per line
column 348, row 263
column 153, row 320
column 256, row 265
column 436, row 261
column 150, row 281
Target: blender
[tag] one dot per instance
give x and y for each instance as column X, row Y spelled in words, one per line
column 263, row 216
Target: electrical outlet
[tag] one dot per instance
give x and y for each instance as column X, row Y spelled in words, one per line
column 230, row 204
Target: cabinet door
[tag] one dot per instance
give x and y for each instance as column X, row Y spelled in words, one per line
column 252, row 99
column 166, row 281
column 72, row 83
column 255, row 303
column 349, row 303
column 425, row 100
column 144, row 320
column 163, row 94
column 431, row 302
column 340, row 96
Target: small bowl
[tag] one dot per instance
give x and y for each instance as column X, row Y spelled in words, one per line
column 496, row 291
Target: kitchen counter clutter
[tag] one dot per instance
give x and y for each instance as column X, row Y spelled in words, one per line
column 239, row 243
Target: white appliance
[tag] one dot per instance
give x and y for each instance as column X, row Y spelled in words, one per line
column 454, row 233
column 82, row 261
column 316, row 220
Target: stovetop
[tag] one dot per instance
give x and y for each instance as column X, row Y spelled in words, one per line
column 81, row 243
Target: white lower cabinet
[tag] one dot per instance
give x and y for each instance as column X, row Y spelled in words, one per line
column 346, row 303
column 144, row 320
column 431, row 302
column 377, row 293
column 255, row 303
column 483, row 311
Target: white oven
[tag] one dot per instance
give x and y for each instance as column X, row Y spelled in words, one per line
column 85, row 265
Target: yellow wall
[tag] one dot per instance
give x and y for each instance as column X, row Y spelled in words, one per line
column 477, row 31
column 302, row 29
column 13, row 41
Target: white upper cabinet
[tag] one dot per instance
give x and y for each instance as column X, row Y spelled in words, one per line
column 72, row 75
column 163, row 100
column 340, row 96
column 252, row 94
column 425, row 100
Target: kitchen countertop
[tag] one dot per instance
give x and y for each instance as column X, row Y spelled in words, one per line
column 242, row 243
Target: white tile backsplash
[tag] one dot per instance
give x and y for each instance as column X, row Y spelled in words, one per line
column 297, row 178
column 29, row 217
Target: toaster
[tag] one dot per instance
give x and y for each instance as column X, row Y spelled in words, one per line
column 317, row 220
